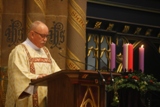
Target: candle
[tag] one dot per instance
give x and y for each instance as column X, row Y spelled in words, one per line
column 141, row 58
column 125, row 57
column 130, row 57
column 113, row 56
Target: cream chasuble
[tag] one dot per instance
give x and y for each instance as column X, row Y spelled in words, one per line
column 25, row 63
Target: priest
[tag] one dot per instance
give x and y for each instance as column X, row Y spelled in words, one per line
column 28, row 61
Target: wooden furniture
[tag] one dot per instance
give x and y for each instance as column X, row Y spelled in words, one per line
column 75, row 88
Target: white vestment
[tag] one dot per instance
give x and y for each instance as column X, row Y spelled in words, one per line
column 25, row 63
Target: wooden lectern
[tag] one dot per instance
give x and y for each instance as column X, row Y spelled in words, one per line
column 75, row 88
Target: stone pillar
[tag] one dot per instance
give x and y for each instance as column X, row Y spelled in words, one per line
column 35, row 10
column 56, row 19
column 1, row 7
column 12, row 21
column 76, row 34
column 1, row 75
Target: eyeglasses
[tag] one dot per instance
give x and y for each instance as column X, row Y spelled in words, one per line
column 42, row 35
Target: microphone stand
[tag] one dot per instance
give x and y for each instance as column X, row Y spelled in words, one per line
column 112, row 78
column 101, row 76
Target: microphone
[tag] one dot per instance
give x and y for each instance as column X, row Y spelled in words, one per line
column 102, row 77
column 112, row 78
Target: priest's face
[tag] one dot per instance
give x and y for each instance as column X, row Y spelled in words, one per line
column 39, row 36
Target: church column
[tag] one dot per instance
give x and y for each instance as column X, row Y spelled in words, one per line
column 35, row 10
column 12, row 17
column 0, row 27
column 56, row 19
column 1, row 75
column 76, row 33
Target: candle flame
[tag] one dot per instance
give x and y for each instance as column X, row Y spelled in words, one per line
column 141, row 46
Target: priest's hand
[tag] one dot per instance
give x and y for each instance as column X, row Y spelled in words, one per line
column 41, row 75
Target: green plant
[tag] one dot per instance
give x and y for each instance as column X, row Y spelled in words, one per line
column 134, row 80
